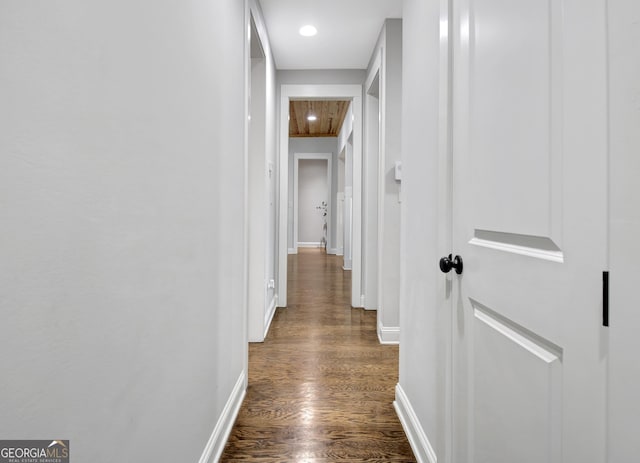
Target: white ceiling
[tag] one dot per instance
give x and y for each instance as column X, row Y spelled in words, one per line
column 347, row 31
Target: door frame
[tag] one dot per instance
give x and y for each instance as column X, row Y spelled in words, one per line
column 624, row 226
column 296, row 164
column 309, row 91
column 259, row 311
column 373, row 189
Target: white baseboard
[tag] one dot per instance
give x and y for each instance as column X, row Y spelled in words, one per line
column 220, row 434
column 332, row 251
column 388, row 334
column 269, row 316
column 293, row 251
column 308, row 244
column 422, row 449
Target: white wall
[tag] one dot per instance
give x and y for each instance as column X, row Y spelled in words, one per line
column 262, row 175
column 384, row 191
column 370, row 198
column 271, row 155
column 423, row 379
column 312, row 191
column 312, row 145
column 345, row 148
column 346, row 131
column 121, row 210
column 321, row 76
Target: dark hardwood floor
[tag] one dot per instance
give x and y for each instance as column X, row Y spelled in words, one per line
column 321, row 387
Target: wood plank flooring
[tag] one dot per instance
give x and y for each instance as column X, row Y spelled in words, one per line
column 321, row 387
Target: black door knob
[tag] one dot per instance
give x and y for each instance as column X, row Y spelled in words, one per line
column 447, row 263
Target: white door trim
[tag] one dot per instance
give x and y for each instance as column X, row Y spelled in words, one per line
column 624, row 227
column 354, row 93
column 373, row 187
column 296, row 165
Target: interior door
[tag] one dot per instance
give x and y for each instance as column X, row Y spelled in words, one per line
column 529, row 222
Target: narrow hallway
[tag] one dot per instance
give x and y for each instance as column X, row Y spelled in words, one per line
column 321, row 386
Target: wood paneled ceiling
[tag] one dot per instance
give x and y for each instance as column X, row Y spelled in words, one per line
column 329, row 117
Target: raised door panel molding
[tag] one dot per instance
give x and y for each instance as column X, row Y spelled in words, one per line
column 515, row 116
column 525, row 404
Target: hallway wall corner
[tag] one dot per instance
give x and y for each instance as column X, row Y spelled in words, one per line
column 222, row 429
column 422, row 448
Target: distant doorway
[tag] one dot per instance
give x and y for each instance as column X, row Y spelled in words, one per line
column 312, row 206
column 288, row 93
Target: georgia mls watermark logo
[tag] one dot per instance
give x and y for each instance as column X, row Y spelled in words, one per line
column 34, row 451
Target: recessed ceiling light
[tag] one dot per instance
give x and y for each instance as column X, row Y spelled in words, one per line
column 308, row 30
column 311, row 118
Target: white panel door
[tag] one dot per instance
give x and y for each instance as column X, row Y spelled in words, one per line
column 529, row 208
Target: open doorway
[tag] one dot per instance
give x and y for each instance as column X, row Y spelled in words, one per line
column 352, row 94
column 312, row 192
column 261, row 189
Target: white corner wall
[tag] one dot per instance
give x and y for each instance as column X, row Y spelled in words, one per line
column 262, row 184
column 383, row 288
column 122, row 210
column 372, row 116
column 421, row 396
column 345, row 148
column 346, row 131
